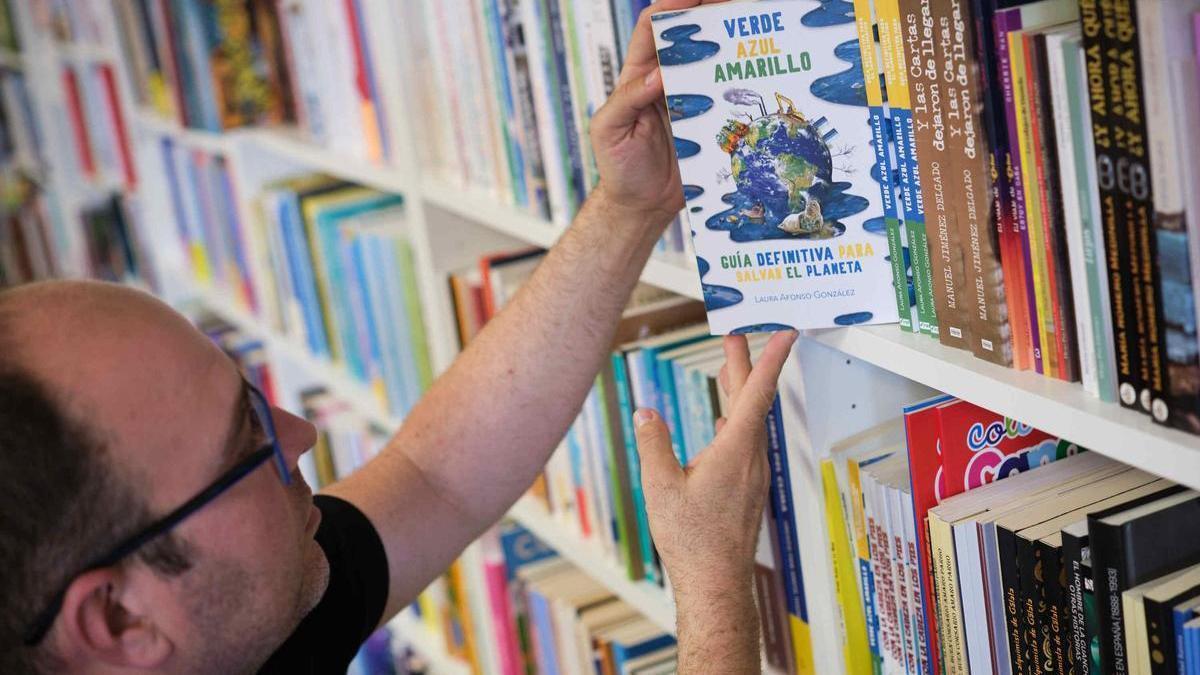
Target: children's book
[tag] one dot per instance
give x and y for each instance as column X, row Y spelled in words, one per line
column 770, row 120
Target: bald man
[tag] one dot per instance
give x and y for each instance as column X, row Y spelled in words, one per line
column 153, row 520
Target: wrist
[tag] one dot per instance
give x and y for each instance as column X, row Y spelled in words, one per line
column 628, row 216
column 733, row 588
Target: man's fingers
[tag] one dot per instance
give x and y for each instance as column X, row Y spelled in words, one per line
column 660, row 466
column 737, row 363
column 625, row 106
column 764, row 378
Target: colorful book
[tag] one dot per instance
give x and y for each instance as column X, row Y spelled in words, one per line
column 782, row 195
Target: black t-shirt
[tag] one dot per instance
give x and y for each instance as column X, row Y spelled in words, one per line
column 329, row 637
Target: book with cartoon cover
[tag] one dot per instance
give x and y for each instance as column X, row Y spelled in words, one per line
column 770, row 119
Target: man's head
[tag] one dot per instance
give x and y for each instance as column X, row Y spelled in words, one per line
column 114, row 411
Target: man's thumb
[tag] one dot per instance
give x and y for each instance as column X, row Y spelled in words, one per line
column 659, row 464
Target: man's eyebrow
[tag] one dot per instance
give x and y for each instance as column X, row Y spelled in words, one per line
column 233, row 447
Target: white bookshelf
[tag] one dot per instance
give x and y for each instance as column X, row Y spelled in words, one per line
column 443, row 212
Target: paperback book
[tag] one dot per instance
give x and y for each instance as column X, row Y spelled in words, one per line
column 770, row 119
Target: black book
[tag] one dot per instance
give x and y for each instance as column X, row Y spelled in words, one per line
column 1105, row 98
column 1030, row 588
column 1082, row 617
column 1052, row 606
column 1136, row 207
column 1131, row 547
column 1159, row 602
column 1010, row 577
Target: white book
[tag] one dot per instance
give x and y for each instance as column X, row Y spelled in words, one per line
column 775, row 150
column 973, row 594
column 1072, row 215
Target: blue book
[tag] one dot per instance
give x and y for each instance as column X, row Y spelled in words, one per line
column 328, row 232
column 623, row 652
column 1192, row 636
column 568, row 130
column 1182, row 613
column 300, row 264
column 783, row 514
column 543, row 625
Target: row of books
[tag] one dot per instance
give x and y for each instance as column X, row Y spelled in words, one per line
column 209, row 65
column 549, row 617
column 663, row 358
column 225, row 65
column 964, row 542
column 326, row 263
column 514, row 119
column 1045, row 213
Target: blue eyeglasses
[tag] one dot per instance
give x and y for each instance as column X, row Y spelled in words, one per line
column 270, row 450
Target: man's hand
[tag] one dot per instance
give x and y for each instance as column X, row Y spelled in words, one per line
column 705, row 518
column 631, row 134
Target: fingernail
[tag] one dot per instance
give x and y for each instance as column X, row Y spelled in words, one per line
column 793, row 334
column 642, row 417
column 652, row 78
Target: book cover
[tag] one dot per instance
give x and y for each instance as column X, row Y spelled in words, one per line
column 772, row 136
column 979, row 446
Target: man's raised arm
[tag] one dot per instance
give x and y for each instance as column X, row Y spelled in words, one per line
column 485, row 429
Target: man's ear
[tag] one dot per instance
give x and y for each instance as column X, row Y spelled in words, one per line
column 102, row 621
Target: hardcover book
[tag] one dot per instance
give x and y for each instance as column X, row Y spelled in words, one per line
column 770, row 119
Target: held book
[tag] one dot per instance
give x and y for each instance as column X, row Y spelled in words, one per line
column 771, row 130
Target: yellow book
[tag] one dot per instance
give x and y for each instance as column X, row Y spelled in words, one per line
column 856, row 652
column 1033, row 211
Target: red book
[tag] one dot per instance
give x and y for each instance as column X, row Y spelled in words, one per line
column 75, row 109
column 980, row 447
column 120, row 133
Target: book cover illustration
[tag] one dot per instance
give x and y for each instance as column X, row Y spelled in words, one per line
column 770, row 118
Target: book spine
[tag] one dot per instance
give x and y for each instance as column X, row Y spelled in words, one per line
column 1088, row 195
column 922, row 23
column 1079, row 654
column 866, row 577
column 879, row 120
column 894, row 55
column 568, row 128
column 1050, row 206
column 1109, row 581
column 1004, row 23
column 1032, row 233
column 628, row 444
column 641, row 387
column 1002, row 212
column 983, row 274
column 1135, row 182
column 1010, row 577
column 1097, row 22
column 856, row 654
column 1052, row 613
column 1161, row 24
column 952, row 633
column 1160, row 637
column 626, row 528
column 784, row 514
column 881, row 555
column 1030, row 588
column 1068, row 181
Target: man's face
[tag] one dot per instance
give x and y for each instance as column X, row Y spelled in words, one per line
column 173, row 414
